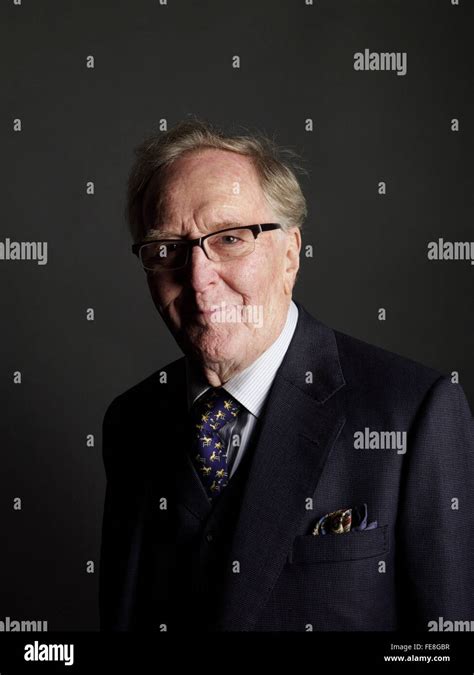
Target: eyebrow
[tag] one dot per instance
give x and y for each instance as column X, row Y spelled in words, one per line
column 168, row 234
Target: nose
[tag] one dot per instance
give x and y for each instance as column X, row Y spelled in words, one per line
column 201, row 270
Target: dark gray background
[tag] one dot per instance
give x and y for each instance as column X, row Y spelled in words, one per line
column 154, row 62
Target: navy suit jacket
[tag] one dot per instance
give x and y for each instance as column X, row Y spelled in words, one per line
column 416, row 566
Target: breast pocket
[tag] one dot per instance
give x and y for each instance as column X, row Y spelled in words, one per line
column 310, row 549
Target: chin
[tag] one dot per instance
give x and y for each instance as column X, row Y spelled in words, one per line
column 217, row 344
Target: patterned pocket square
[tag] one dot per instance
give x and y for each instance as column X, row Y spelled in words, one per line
column 344, row 520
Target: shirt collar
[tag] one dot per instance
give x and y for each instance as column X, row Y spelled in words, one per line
column 251, row 386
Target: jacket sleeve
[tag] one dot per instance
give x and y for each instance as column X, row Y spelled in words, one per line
column 435, row 529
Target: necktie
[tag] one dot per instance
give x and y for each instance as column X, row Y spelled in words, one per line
column 210, row 413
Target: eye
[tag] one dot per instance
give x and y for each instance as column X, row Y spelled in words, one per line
column 226, row 237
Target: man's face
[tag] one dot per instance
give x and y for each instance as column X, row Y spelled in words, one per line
column 206, row 191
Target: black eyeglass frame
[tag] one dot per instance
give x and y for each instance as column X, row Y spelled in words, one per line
column 255, row 229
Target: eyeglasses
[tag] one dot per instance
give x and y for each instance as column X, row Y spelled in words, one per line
column 221, row 246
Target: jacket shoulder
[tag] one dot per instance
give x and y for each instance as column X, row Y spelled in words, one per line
column 368, row 366
column 129, row 415
column 146, row 390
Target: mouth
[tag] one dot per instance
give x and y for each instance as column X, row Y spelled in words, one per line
column 210, row 309
column 206, row 312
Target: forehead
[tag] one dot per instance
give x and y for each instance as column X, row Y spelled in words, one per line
column 201, row 180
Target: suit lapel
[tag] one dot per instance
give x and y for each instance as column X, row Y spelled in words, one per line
column 189, row 489
column 299, row 426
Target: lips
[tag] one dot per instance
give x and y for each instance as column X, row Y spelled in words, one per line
column 206, row 311
column 213, row 309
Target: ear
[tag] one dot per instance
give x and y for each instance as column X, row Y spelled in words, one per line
column 292, row 258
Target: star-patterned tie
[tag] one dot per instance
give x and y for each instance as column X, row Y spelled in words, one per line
column 209, row 414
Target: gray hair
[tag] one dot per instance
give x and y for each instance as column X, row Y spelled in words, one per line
column 275, row 167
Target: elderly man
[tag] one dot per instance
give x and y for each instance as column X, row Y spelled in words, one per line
column 279, row 476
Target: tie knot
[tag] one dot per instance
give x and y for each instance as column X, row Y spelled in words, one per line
column 214, row 409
